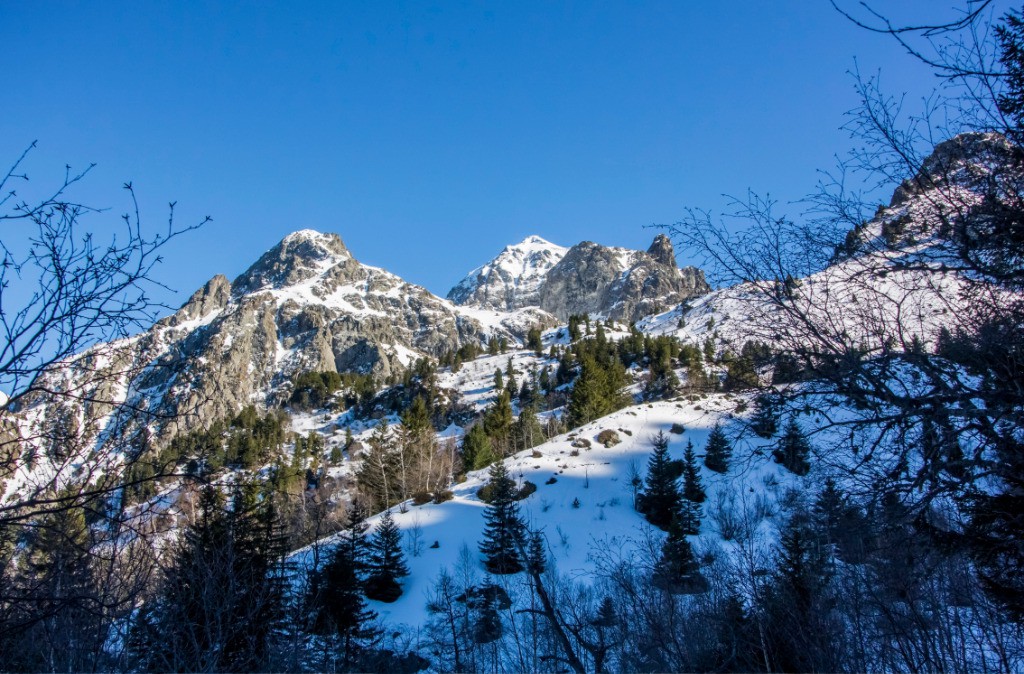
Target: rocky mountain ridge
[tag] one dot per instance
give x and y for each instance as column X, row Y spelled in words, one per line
column 588, row 278
column 308, row 304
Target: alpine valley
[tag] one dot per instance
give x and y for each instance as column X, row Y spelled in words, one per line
column 583, row 459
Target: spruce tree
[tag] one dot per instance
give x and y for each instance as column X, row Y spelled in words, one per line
column 660, row 500
column 378, row 477
column 527, row 430
column 52, row 611
column 765, row 422
column 689, row 517
column 335, row 596
column 596, row 391
column 793, row 449
column 488, row 626
column 220, row 604
column 387, row 562
column 677, row 570
column 718, row 450
column 503, row 531
column 477, row 451
column 536, row 554
column 693, row 489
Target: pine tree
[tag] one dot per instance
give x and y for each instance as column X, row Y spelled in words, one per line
column 56, row 606
column 527, row 430
column 693, row 489
column 221, row 601
column 536, row 555
column 793, row 449
column 378, row 477
column 718, row 450
column 765, row 422
column 387, row 562
column 335, row 596
column 476, row 448
column 689, row 517
column 660, row 500
column 597, row 391
column 677, row 570
column 503, row 531
column 533, row 341
column 498, row 422
column 488, row 626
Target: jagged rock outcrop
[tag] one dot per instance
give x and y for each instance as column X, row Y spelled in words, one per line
column 512, row 280
column 619, row 283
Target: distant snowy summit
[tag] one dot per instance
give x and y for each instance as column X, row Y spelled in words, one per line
column 513, row 279
column 586, row 279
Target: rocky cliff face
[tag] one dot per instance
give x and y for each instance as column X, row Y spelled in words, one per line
column 587, row 278
column 619, row 283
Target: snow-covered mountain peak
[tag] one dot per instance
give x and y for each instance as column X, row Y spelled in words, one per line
column 299, row 256
column 512, row 279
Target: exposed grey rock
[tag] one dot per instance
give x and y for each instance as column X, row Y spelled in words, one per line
column 618, row 283
column 587, row 278
column 662, row 251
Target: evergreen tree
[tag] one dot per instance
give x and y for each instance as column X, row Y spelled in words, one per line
column 221, row 600
column 488, row 626
column 387, row 562
column 660, row 501
column 503, row 531
column 536, row 554
column 52, row 604
column 800, row 636
column 718, row 450
column 498, row 422
column 378, row 477
column 765, row 422
column 499, row 380
column 533, row 341
column 677, row 570
column 689, row 517
column 476, row 448
column 693, row 489
column 527, row 430
column 545, row 381
column 597, row 391
column 336, row 593
column 793, row 449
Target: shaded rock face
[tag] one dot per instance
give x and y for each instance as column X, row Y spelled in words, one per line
column 618, row 283
column 662, row 252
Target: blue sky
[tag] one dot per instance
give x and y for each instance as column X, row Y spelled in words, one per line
column 430, row 135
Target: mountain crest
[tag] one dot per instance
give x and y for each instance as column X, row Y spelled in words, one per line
column 662, row 251
column 511, row 280
column 298, row 257
column 587, row 278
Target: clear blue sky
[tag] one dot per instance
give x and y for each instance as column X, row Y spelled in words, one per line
column 430, row 135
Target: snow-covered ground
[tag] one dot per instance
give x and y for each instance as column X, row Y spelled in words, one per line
column 584, row 498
